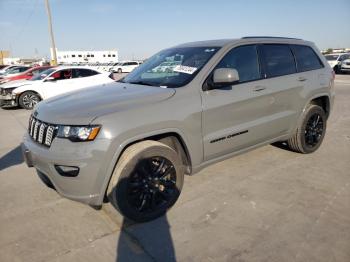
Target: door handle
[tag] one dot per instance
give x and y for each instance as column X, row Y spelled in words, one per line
column 259, row 88
column 302, row 79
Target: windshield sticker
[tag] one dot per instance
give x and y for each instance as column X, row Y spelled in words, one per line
column 185, row 69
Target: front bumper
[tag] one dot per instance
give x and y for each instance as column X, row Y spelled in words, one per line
column 9, row 100
column 86, row 187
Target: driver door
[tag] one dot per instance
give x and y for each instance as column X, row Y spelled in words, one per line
column 58, row 83
column 237, row 116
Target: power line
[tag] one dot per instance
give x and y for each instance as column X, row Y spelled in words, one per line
column 26, row 23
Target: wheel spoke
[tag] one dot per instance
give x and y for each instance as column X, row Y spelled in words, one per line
column 314, row 130
column 152, row 185
column 167, row 172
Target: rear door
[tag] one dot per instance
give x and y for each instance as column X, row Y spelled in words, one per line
column 84, row 78
column 285, row 85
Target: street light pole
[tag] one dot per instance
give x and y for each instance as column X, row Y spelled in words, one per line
column 53, row 46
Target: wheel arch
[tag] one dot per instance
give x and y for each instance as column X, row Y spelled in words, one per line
column 323, row 101
column 30, row 90
column 172, row 138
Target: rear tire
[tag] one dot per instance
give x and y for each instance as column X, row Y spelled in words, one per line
column 28, row 100
column 120, row 70
column 146, row 182
column 310, row 133
column 337, row 70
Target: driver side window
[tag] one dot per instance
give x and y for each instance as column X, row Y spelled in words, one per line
column 245, row 60
column 62, row 74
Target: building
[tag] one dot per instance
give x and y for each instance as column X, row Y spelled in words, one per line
column 24, row 61
column 3, row 54
column 336, row 50
column 87, row 57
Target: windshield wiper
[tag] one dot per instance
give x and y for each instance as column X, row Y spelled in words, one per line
column 142, row 83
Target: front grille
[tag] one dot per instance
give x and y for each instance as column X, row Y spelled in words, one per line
column 41, row 132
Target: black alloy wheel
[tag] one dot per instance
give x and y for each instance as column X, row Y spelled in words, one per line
column 314, row 130
column 152, row 185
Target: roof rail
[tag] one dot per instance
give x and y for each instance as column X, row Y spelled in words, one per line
column 279, row 37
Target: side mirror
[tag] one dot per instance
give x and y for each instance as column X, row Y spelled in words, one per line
column 50, row 79
column 225, row 76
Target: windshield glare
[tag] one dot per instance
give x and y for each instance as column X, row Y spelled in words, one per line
column 174, row 67
column 42, row 75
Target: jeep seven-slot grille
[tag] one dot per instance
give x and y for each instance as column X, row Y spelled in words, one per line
column 41, row 132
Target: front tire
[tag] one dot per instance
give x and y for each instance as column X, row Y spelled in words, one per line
column 146, row 182
column 310, row 133
column 28, row 100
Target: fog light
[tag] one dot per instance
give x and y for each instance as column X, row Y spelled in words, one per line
column 70, row 171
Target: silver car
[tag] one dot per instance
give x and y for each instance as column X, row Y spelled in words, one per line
column 130, row 143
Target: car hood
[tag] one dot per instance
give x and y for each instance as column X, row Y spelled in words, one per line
column 16, row 83
column 82, row 107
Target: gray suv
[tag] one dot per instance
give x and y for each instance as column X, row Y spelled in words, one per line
column 130, row 143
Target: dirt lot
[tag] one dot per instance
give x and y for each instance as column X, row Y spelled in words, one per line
column 267, row 205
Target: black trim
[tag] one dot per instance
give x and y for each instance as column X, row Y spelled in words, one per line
column 71, row 173
column 277, row 37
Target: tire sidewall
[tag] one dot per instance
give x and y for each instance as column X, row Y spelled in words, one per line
column 118, row 195
column 311, row 111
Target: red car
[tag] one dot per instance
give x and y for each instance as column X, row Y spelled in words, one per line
column 28, row 74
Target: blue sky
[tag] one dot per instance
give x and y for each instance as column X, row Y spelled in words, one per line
column 139, row 28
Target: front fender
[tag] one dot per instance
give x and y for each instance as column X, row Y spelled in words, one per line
column 118, row 150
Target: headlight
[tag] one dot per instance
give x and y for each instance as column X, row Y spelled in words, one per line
column 78, row 133
column 6, row 91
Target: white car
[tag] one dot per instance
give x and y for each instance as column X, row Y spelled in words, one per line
column 125, row 67
column 50, row 83
column 335, row 60
column 345, row 66
column 166, row 67
column 14, row 70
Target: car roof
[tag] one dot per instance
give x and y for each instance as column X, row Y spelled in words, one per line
column 74, row 67
column 224, row 42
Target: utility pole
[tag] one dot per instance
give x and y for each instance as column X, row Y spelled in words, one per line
column 53, row 46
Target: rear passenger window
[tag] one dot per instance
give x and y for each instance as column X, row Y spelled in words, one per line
column 84, row 73
column 245, row 60
column 306, row 58
column 278, row 60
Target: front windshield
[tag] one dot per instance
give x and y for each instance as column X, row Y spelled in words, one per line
column 43, row 74
column 174, row 67
column 331, row 57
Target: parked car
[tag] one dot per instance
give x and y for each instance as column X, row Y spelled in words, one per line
column 26, row 74
column 125, row 67
column 13, row 70
column 131, row 142
column 52, row 82
column 335, row 61
column 345, row 66
column 5, row 68
column 166, row 66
